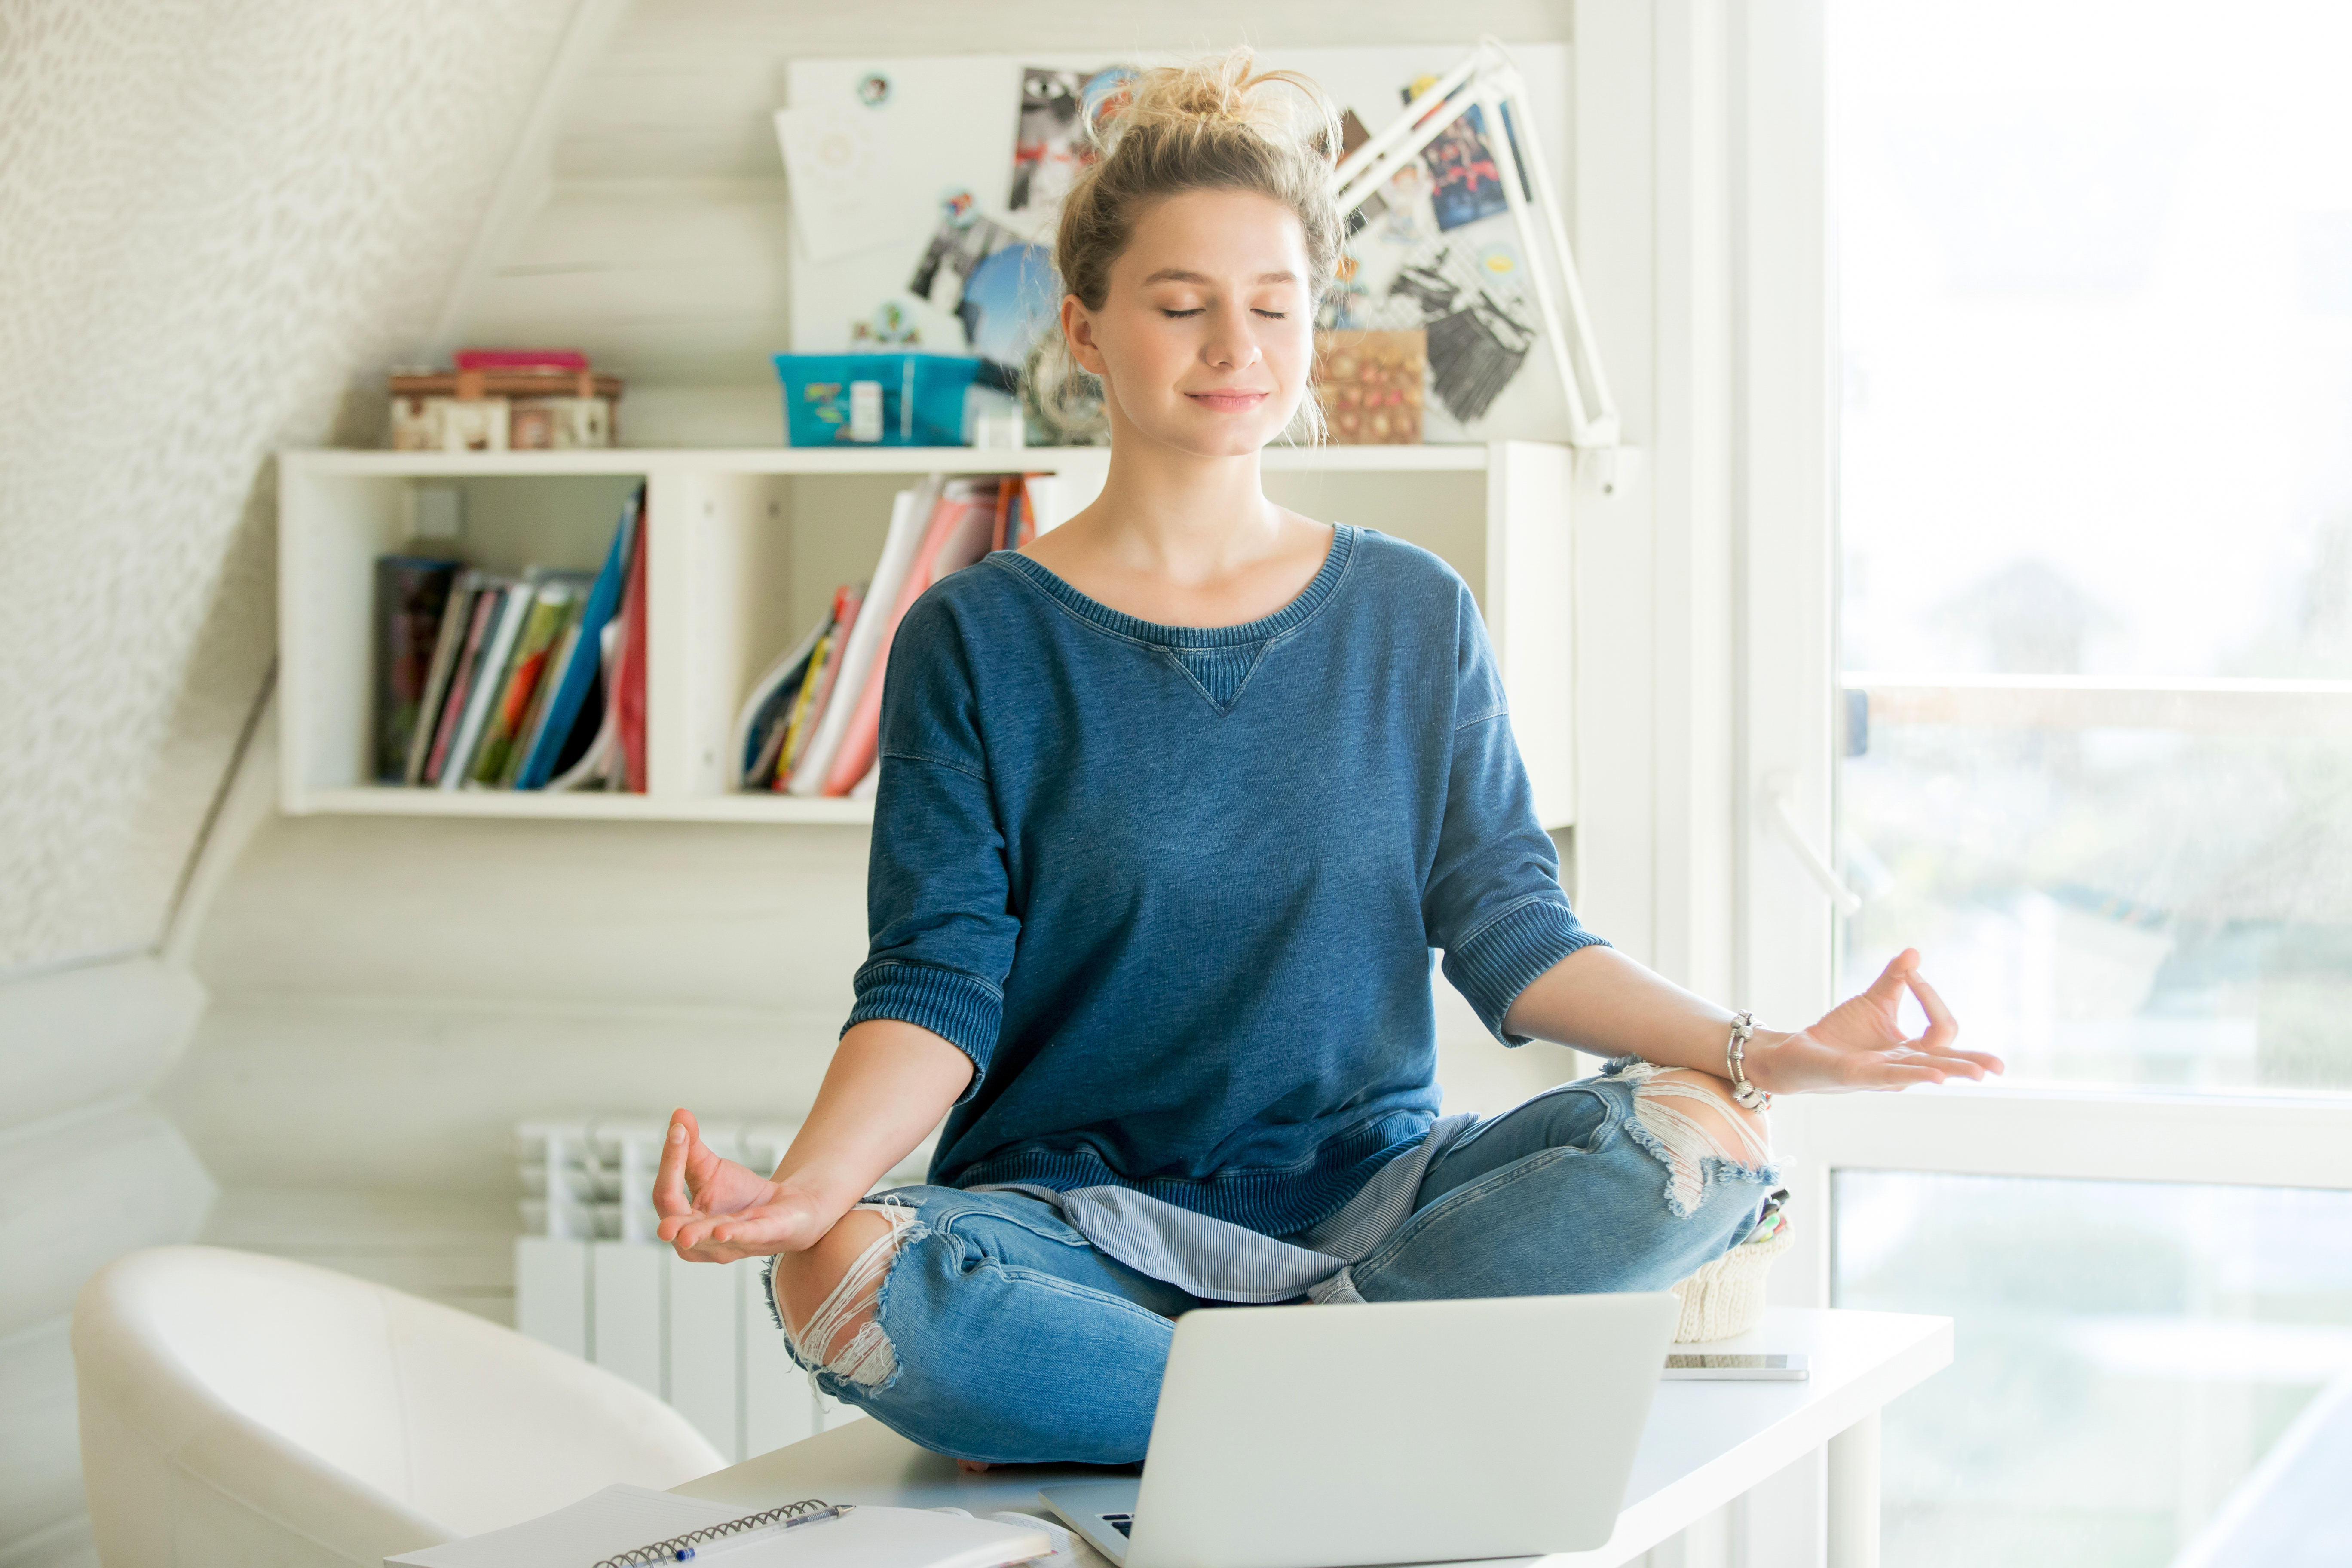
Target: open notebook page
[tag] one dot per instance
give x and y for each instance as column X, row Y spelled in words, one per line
column 597, row 1526
column 621, row 1518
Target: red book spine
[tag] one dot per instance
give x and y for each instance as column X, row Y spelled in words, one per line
column 453, row 711
column 629, row 693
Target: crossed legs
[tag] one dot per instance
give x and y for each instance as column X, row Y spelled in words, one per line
column 982, row 1326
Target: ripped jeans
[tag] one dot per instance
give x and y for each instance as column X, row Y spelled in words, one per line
column 1002, row 1334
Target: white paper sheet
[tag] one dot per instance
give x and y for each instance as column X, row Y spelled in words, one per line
column 597, row 1526
column 846, row 184
column 620, row 1519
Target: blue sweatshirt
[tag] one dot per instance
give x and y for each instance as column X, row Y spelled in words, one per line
column 1174, row 888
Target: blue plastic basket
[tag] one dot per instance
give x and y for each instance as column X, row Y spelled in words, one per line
column 922, row 397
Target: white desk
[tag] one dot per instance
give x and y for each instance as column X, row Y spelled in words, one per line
column 1705, row 1443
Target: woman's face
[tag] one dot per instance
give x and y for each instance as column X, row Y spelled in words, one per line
column 1205, row 336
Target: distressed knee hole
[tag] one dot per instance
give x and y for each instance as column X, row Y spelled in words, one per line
column 1691, row 1118
column 843, row 1274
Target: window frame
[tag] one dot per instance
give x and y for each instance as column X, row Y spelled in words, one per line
column 1707, row 668
column 1789, row 537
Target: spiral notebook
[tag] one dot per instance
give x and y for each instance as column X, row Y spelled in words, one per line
column 630, row 1526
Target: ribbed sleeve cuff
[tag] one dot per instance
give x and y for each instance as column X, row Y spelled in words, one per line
column 962, row 1009
column 1504, row 957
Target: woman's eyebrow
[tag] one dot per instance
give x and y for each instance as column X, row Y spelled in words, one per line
column 1178, row 275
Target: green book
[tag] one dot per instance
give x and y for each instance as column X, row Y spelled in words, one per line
column 540, row 628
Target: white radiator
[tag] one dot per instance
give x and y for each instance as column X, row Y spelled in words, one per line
column 591, row 1279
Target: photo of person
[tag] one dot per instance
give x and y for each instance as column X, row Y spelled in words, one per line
column 1464, row 181
column 1051, row 145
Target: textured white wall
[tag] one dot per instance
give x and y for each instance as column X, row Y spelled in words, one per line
column 215, row 219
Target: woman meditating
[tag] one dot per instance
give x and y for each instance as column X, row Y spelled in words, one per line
column 1175, row 803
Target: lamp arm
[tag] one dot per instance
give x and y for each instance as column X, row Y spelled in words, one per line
column 1604, row 422
column 1408, row 123
column 1372, row 174
column 1592, row 425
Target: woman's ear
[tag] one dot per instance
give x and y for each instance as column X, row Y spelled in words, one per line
column 1078, row 330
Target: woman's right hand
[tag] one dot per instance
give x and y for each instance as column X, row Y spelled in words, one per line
column 716, row 1211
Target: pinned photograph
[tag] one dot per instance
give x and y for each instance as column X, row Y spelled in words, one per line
column 1058, row 109
column 962, row 242
column 1465, row 294
column 1463, row 182
column 1000, row 286
column 1009, row 301
column 1467, row 185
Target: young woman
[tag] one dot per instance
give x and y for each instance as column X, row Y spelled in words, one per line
column 1175, row 803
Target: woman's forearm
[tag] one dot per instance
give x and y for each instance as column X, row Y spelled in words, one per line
column 1598, row 1000
column 888, row 1085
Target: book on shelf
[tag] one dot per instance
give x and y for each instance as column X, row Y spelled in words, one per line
column 545, row 601
column 627, row 684
column 410, row 595
column 457, row 617
column 909, row 512
column 518, row 683
column 514, row 599
column 583, row 664
column 766, row 716
column 823, row 670
column 481, row 609
column 963, row 520
column 811, row 723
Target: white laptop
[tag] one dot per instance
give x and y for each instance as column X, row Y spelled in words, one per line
column 1399, row 1432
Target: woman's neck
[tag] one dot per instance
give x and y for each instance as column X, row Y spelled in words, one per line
column 1183, row 539
column 1181, row 516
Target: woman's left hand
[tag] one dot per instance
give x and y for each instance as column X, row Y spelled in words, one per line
column 1860, row 1043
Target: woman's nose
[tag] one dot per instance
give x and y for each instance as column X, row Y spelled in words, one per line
column 1233, row 345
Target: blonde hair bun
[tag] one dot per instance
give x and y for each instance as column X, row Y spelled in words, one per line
column 1222, row 94
column 1214, row 124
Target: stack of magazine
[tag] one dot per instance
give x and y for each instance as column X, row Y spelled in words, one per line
column 810, row 725
column 532, row 682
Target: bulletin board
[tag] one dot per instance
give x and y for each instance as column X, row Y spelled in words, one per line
column 921, row 182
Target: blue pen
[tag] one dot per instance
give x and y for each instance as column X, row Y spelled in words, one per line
column 734, row 1532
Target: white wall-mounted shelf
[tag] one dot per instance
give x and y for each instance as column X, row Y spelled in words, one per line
column 1071, row 460
column 745, row 549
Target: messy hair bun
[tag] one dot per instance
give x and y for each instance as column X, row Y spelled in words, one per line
column 1214, row 124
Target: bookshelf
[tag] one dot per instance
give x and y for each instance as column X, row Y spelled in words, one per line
column 745, row 548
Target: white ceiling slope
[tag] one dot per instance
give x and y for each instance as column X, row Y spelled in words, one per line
column 215, row 220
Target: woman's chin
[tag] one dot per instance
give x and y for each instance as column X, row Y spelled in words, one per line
column 1222, row 437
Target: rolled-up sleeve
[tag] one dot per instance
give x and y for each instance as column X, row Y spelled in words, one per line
column 1493, row 901
column 938, row 913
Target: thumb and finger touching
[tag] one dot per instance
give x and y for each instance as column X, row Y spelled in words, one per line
column 1862, row 1044
column 670, row 1195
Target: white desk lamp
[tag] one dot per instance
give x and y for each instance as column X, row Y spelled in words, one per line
column 1488, row 81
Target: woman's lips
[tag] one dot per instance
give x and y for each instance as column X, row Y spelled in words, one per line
column 1231, row 400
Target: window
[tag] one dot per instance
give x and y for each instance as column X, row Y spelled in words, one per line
column 2094, row 477
column 2143, row 1373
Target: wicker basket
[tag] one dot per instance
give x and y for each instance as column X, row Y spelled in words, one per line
column 1726, row 1297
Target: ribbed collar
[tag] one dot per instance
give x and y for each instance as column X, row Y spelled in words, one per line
column 1119, row 623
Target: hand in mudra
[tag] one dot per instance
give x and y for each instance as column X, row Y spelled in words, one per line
column 1860, row 1043
column 716, row 1211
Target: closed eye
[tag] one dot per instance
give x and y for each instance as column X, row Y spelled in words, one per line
column 1181, row 315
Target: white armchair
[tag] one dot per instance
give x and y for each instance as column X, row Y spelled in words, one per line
column 237, row 1409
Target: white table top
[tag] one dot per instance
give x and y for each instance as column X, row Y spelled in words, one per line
column 1706, row 1442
